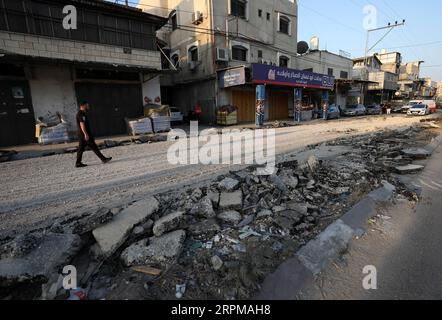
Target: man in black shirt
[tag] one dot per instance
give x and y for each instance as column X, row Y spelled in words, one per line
column 85, row 137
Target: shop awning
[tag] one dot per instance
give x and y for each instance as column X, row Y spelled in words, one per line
column 272, row 75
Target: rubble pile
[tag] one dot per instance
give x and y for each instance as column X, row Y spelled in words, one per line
column 221, row 239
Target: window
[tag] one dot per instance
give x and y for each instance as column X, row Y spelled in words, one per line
column 104, row 26
column 330, row 72
column 260, row 13
column 284, row 61
column 238, row 8
column 193, row 54
column 344, row 75
column 174, row 21
column 268, row 16
column 239, row 53
column 284, row 25
column 260, row 54
column 308, row 70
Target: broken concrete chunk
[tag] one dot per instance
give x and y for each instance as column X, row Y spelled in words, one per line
column 265, row 213
column 246, row 221
column 214, row 197
column 111, row 235
column 231, row 200
column 204, row 208
column 412, row 168
column 217, row 263
column 416, row 153
column 228, row 184
column 155, row 251
column 232, row 217
column 290, row 181
column 288, row 219
column 278, row 183
column 168, row 223
column 39, row 264
column 207, row 227
column 312, row 163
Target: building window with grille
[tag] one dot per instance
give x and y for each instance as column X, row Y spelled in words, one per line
column 330, row 72
column 238, row 8
column 284, row 61
column 344, row 75
column 284, row 25
column 239, row 53
column 193, row 54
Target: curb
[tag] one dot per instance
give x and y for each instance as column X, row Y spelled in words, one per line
column 297, row 273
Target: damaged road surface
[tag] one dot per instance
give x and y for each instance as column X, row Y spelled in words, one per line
column 36, row 193
column 221, row 238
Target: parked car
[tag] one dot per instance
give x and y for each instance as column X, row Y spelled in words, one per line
column 333, row 112
column 355, row 110
column 430, row 103
column 374, row 109
column 396, row 109
column 176, row 115
column 419, row 110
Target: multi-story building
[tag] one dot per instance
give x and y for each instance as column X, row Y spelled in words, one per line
column 375, row 84
column 338, row 66
column 391, row 61
column 224, row 48
column 110, row 60
column 428, row 88
column 409, row 80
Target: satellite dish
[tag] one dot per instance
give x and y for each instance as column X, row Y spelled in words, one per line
column 302, row 47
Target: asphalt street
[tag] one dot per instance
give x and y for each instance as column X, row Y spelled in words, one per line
column 34, row 192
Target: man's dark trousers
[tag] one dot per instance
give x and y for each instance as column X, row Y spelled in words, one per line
column 92, row 145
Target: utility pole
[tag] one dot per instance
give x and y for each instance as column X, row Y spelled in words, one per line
column 390, row 28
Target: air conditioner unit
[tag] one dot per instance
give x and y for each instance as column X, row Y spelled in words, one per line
column 222, row 54
column 192, row 65
column 197, row 18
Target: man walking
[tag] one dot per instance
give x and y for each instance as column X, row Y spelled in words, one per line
column 85, row 137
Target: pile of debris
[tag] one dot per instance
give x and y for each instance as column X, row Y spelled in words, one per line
column 221, row 239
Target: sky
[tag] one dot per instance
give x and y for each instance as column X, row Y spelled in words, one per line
column 339, row 24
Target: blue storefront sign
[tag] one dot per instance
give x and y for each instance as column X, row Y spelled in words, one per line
column 232, row 77
column 266, row 74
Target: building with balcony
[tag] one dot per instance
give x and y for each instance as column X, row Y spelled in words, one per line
column 110, row 60
column 224, row 48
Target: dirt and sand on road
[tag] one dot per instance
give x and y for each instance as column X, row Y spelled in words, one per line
column 36, row 192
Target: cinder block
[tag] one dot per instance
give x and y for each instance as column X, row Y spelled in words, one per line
column 17, row 37
column 5, row 35
column 11, row 44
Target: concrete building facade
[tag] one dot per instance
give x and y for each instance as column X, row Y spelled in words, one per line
column 210, row 41
column 49, row 69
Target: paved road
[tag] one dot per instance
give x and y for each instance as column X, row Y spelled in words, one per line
column 35, row 191
column 405, row 245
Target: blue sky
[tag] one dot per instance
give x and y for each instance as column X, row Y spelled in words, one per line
column 339, row 26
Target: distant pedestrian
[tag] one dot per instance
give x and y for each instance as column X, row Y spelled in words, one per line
column 388, row 109
column 85, row 137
